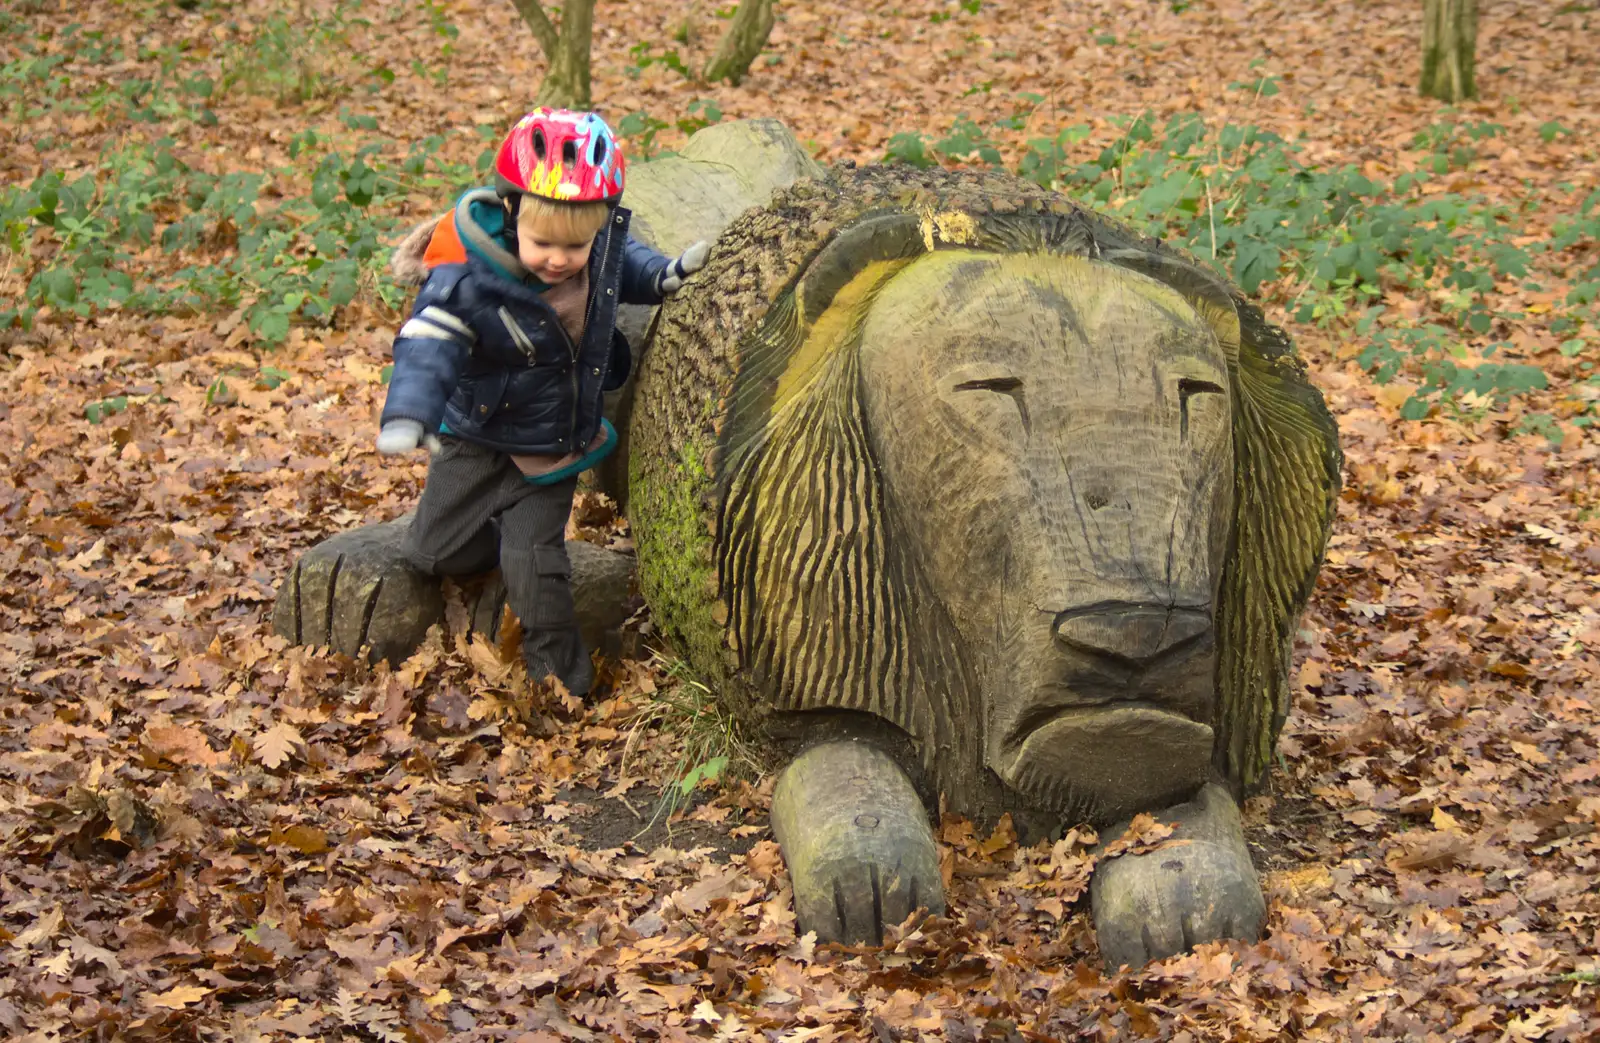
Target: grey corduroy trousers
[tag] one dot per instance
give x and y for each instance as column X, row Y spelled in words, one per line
column 477, row 511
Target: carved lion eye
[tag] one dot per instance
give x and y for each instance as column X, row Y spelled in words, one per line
column 1002, row 385
column 1187, row 388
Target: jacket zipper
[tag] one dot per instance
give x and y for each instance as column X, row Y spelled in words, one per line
column 588, row 316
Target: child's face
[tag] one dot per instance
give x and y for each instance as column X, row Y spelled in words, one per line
column 554, row 259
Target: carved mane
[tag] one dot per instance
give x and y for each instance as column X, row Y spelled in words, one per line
column 826, row 607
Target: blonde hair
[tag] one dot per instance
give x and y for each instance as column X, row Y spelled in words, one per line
column 561, row 222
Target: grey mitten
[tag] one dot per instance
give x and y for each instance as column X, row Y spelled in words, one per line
column 688, row 262
column 402, row 436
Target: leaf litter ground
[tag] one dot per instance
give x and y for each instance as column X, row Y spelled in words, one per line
column 210, row 835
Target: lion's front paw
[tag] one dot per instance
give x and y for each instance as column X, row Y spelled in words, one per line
column 1200, row 889
column 860, row 851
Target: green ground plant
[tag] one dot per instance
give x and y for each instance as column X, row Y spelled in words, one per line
column 85, row 240
column 294, row 58
column 645, row 55
column 145, row 232
column 641, row 128
column 1331, row 240
column 36, row 84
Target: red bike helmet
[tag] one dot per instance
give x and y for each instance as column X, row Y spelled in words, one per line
column 571, row 157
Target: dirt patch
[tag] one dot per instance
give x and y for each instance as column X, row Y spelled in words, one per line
column 599, row 823
column 1286, row 831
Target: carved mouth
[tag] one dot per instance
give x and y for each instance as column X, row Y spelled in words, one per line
column 1105, row 762
column 1108, row 710
column 1037, row 717
column 1114, row 655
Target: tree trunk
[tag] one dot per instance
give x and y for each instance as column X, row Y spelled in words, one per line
column 566, row 50
column 718, row 174
column 1449, row 44
column 742, row 42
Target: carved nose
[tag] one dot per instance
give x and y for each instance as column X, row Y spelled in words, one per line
column 1133, row 632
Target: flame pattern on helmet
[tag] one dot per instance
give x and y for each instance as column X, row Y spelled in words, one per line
column 597, row 172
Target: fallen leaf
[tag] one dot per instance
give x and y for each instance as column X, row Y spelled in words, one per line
column 43, row 929
column 178, row 997
column 1435, row 850
column 90, row 556
column 1307, row 882
column 304, row 839
column 277, row 744
column 182, row 744
column 695, row 899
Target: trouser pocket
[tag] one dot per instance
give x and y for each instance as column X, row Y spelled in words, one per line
column 538, row 585
column 452, row 531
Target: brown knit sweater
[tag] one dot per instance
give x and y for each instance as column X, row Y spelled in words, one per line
column 570, row 301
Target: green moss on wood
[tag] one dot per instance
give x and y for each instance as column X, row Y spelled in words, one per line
column 670, row 492
column 706, row 388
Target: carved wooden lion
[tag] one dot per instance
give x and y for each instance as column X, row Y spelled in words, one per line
column 948, row 455
column 969, row 494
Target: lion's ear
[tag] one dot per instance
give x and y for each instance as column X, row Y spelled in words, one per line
column 1286, row 481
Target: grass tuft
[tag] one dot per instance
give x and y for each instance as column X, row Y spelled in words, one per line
column 708, row 742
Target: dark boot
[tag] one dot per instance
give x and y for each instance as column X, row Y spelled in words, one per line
column 559, row 652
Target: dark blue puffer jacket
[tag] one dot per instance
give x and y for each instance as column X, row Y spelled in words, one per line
column 484, row 354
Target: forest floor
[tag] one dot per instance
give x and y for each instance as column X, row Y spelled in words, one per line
column 206, row 834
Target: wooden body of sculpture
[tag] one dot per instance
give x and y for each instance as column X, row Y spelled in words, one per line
column 964, row 490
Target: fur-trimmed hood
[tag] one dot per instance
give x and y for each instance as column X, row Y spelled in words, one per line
column 407, row 264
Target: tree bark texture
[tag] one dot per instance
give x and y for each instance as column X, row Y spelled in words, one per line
column 718, row 174
column 566, row 50
column 742, row 43
column 1449, row 47
column 356, row 590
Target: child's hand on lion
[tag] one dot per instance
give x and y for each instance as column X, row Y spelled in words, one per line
column 687, row 263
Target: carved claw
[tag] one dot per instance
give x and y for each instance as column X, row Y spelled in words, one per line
column 857, row 841
column 1151, row 906
column 356, row 589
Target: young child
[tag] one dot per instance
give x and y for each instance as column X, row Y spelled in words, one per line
column 501, row 368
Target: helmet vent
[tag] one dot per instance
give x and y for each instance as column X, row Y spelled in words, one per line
column 599, row 150
column 569, row 153
column 539, row 146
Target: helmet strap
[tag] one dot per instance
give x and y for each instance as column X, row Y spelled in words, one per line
column 513, row 205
